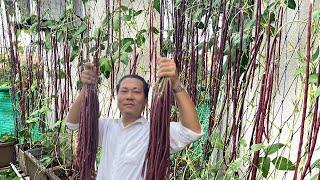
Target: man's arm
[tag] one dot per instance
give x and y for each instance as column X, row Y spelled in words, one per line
column 74, row 111
column 187, row 110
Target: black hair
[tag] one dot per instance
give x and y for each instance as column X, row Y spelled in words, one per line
column 145, row 84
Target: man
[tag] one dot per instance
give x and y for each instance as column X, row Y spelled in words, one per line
column 125, row 141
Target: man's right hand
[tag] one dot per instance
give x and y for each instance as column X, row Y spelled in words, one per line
column 89, row 74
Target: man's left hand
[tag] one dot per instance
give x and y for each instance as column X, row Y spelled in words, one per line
column 167, row 68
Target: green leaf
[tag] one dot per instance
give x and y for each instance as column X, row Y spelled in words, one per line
column 47, row 43
column 116, row 17
column 45, row 160
column 156, row 5
column 216, row 141
column 33, row 27
column 199, row 25
column 318, row 92
column 140, row 39
column 197, row 14
column 105, row 67
column 291, row 4
column 61, row 74
column 18, row 32
column 178, row 2
column 35, row 113
column 32, row 120
column 137, row 13
column 316, row 164
column 264, row 166
column 142, row 31
column 234, row 166
column 104, row 22
column 126, row 17
column 282, row 163
column 124, row 8
column 57, row 123
column 60, row 35
column 244, row 62
column 272, row 17
column 81, row 29
column 6, row 137
column 115, row 57
column 316, row 14
column 214, row 168
column 127, row 42
column 167, row 46
column 155, row 30
column 4, row 85
column 315, row 177
column 313, row 78
column 69, row 7
column 124, row 58
column 257, row 147
column 315, row 55
column 273, row 148
column 102, row 46
column 33, row 86
column 96, row 32
column 75, row 52
column 265, row 17
column 243, row 143
column 249, row 25
column 298, row 71
column 10, row 7
column 44, row 110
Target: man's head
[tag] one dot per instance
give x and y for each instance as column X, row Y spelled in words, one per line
column 132, row 96
column 134, row 76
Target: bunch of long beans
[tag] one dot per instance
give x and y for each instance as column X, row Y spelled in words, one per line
column 88, row 128
column 156, row 164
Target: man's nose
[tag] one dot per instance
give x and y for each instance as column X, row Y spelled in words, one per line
column 129, row 95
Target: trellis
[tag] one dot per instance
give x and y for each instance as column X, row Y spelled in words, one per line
column 235, row 56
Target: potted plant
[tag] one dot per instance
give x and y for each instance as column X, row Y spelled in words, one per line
column 20, row 150
column 28, row 139
column 35, row 169
column 7, row 139
column 25, row 144
column 54, row 154
column 7, row 142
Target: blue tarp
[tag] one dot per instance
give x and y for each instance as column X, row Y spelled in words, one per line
column 7, row 118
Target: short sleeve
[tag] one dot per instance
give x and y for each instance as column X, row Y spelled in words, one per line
column 72, row 126
column 102, row 127
column 181, row 136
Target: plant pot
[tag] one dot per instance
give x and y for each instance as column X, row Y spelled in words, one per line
column 35, row 169
column 21, row 157
column 58, row 172
column 7, row 154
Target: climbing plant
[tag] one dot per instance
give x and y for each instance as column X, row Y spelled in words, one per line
column 256, row 91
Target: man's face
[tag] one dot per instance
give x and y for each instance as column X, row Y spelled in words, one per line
column 131, row 99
